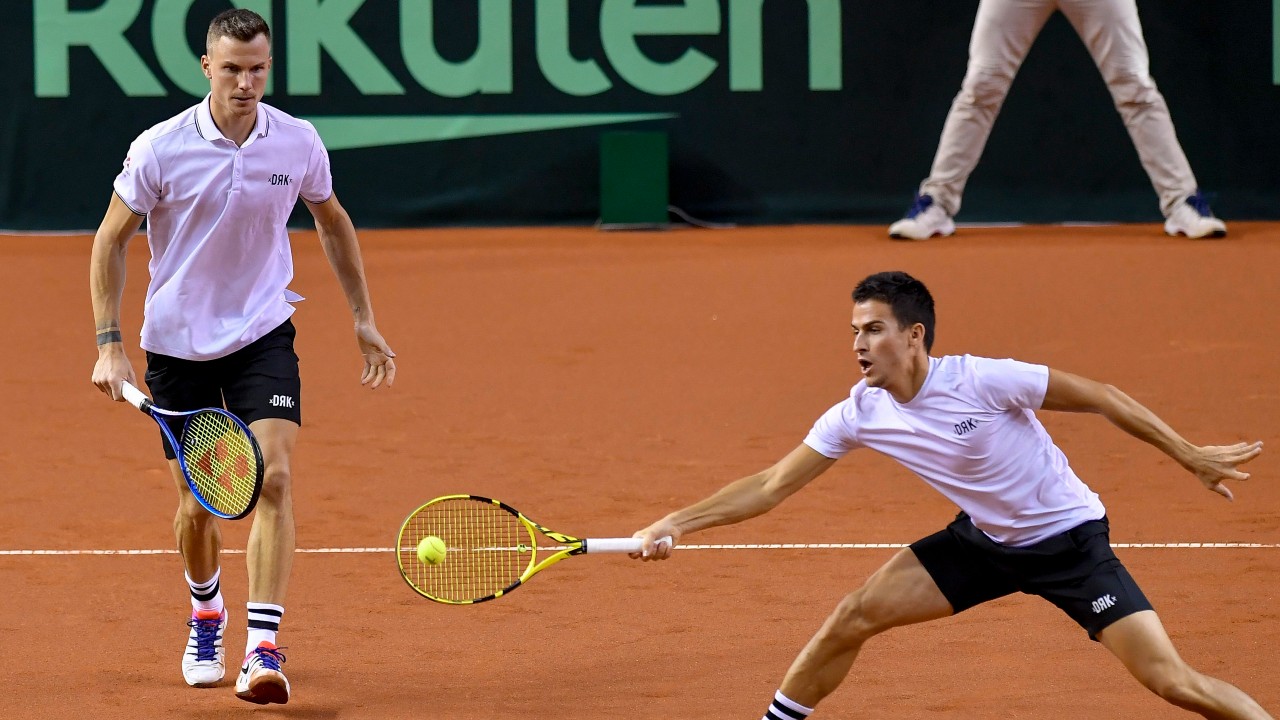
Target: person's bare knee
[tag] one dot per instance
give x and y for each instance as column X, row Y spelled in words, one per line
column 857, row 618
column 1139, row 641
column 277, row 438
column 191, row 512
column 1175, row 682
column 901, row 592
column 276, row 488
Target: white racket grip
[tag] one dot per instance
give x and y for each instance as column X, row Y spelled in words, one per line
column 134, row 396
column 618, row 545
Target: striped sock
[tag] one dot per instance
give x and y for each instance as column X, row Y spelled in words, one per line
column 206, row 595
column 784, row 708
column 264, row 623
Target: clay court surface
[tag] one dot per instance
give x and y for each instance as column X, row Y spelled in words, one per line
column 597, row 381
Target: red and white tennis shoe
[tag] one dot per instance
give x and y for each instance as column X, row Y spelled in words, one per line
column 203, row 663
column 261, row 680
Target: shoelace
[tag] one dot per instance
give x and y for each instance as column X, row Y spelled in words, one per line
column 269, row 658
column 1200, row 201
column 206, row 637
column 920, row 204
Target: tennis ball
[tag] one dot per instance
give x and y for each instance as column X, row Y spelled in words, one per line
column 431, row 550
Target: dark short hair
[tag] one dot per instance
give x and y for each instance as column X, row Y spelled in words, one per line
column 238, row 24
column 906, row 296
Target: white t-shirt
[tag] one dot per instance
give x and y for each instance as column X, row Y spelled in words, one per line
column 971, row 433
column 216, row 222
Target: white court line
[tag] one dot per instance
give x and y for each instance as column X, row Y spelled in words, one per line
column 765, row 546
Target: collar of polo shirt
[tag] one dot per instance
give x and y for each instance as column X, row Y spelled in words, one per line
column 208, row 129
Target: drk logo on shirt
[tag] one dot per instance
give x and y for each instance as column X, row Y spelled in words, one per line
column 966, row 427
column 279, row 179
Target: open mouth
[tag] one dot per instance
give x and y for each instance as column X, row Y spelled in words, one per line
column 865, row 365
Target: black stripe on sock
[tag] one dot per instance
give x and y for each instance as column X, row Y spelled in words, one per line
column 779, row 712
column 205, row 596
column 265, row 611
column 264, row 625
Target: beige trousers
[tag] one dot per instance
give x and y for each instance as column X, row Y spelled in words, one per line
column 1003, row 32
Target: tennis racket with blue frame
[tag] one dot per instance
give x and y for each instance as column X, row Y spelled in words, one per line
column 491, row 549
column 219, row 456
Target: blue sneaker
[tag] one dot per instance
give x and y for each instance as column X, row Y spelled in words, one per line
column 1194, row 219
column 924, row 220
column 261, row 680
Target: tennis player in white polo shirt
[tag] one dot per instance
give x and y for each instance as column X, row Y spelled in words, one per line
column 967, row 426
column 216, row 184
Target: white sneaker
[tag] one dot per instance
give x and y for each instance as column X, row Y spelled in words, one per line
column 202, row 663
column 923, row 221
column 1194, row 219
column 261, row 680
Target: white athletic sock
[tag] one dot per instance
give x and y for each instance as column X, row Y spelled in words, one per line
column 784, row 708
column 264, row 623
column 206, row 595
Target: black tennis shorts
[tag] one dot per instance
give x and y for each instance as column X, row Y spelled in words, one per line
column 1076, row 570
column 257, row 381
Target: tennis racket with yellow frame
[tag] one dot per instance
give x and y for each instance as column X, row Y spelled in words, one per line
column 491, row 549
column 219, row 456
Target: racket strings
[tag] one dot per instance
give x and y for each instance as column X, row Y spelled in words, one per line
column 488, row 549
column 221, row 461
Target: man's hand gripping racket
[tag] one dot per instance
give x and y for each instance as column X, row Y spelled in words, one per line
column 219, row 456
column 490, row 549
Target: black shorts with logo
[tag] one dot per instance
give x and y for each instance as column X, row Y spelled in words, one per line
column 1076, row 570
column 258, row 381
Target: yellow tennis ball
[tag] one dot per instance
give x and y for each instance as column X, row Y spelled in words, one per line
column 431, row 550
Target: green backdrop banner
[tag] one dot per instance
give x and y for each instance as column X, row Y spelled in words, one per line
column 447, row 112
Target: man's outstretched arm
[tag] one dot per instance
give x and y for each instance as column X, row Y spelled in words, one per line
column 1213, row 464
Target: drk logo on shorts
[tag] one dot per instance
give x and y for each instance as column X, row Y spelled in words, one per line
column 287, row 401
column 1104, row 603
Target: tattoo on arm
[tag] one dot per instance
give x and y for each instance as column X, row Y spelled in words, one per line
column 109, row 332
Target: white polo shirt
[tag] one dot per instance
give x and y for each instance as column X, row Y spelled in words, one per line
column 971, row 433
column 216, row 223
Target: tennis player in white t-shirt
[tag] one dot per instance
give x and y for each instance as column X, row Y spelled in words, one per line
column 967, row 426
column 216, row 184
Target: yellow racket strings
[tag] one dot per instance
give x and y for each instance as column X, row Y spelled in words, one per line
column 488, row 549
column 221, row 461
